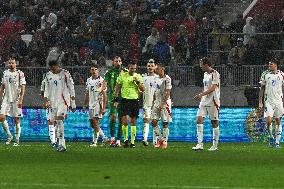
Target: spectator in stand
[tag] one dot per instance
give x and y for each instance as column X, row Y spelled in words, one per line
column 236, row 56
column 93, row 17
column 71, row 57
column 48, row 20
column 151, row 40
column 125, row 17
column 248, row 30
column 203, row 30
column 32, row 20
column 236, row 27
column 55, row 53
column 181, row 47
column 37, row 50
column 162, row 50
column 19, row 48
column 109, row 20
column 255, row 54
column 281, row 27
column 149, row 54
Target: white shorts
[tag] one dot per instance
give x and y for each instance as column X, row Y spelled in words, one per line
column 147, row 111
column 11, row 109
column 273, row 110
column 165, row 114
column 60, row 110
column 211, row 111
column 94, row 111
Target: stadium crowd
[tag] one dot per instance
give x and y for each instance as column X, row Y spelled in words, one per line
column 174, row 32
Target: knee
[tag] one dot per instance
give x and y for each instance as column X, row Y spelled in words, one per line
column 199, row 120
column 2, row 118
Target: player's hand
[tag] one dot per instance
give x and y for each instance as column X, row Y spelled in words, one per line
column 84, row 109
column 115, row 104
column 73, row 110
column 20, row 104
column 45, row 104
column 198, row 97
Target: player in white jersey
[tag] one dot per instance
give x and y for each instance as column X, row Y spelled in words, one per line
column 271, row 90
column 52, row 128
column 148, row 95
column 162, row 106
column 209, row 104
column 59, row 87
column 13, row 87
column 96, row 99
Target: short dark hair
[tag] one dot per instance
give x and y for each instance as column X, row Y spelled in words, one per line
column 206, row 60
column 94, row 66
column 12, row 56
column 274, row 60
column 53, row 63
column 160, row 65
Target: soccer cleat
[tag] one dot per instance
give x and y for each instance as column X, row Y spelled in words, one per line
column 93, row 145
column 126, row 145
column 54, row 145
column 277, row 145
column 9, row 139
column 132, row 145
column 271, row 143
column 112, row 143
column 145, row 143
column 16, row 143
column 159, row 144
column 198, row 146
column 117, row 144
column 213, row 148
column 164, row 145
column 61, row 149
column 105, row 141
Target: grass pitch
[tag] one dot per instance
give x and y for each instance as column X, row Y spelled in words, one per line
column 234, row 165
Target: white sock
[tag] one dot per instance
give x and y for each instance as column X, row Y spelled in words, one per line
column 95, row 137
column 102, row 133
column 145, row 131
column 216, row 133
column 270, row 129
column 60, row 126
column 156, row 132
column 200, row 133
column 6, row 129
column 51, row 133
column 165, row 134
column 278, row 133
column 18, row 131
column 56, row 131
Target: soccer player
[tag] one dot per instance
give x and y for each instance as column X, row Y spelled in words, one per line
column 209, row 104
column 109, row 82
column 162, row 106
column 130, row 84
column 13, row 87
column 51, row 124
column 271, row 89
column 96, row 99
column 59, row 94
column 148, row 95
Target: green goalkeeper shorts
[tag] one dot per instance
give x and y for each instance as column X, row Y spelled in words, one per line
column 113, row 110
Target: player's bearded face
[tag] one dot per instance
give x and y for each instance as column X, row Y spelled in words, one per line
column 117, row 62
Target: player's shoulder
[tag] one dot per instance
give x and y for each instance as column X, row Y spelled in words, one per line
column 215, row 72
column 89, row 79
column 167, row 77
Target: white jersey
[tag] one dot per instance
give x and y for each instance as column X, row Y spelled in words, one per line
column 148, row 94
column 12, row 82
column 273, row 86
column 212, row 99
column 94, row 88
column 59, row 88
column 161, row 85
